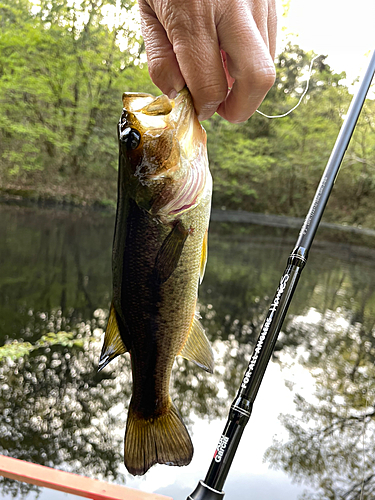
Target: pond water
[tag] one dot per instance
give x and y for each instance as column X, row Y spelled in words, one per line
column 313, row 425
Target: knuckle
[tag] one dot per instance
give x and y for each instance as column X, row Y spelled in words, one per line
column 211, row 95
column 263, row 78
column 269, row 78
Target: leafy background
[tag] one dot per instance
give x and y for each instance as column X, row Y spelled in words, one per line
column 63, row 68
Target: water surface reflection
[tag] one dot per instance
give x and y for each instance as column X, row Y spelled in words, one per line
column 57, row 410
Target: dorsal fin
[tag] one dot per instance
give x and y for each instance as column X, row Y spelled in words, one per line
column 113, row 344
column 197, row 347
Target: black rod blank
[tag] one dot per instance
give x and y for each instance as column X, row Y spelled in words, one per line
column 240, row 411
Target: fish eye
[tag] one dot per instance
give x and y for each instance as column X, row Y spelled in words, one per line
column 131, row 138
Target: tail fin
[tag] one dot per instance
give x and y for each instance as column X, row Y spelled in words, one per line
column 160, row 440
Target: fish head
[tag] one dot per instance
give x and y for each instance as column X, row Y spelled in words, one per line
column 162, row 152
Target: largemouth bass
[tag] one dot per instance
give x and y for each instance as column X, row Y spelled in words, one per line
column 159, row 257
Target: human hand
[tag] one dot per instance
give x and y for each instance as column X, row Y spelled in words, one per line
column 212, row 46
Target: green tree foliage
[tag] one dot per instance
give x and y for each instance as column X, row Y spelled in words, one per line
column 356, row 182
column 63, row 68
column 62, row 73
column 273, row 165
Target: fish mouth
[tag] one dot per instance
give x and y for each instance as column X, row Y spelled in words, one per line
column 189, row 131
column 183, row 113
column 135, row 101
column 192, row 140
column 182, row 104
column 157, row 112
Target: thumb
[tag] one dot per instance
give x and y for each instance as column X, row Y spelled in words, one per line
column 162, row 63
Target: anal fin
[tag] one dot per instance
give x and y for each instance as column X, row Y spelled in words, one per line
column 197, row 347
column 113, row 344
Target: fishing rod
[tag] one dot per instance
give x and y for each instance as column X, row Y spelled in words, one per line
column 240, row 410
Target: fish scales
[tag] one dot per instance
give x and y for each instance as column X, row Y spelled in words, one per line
column 167, row 311
column 159, row 254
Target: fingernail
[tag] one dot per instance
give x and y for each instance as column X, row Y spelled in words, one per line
column 172, row 94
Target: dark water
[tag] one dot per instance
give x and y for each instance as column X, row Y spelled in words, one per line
column 314, row 419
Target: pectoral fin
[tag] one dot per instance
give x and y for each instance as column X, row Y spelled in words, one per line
column 113, row 344
column 203, row 257
column 197, row 347
column 170, row 252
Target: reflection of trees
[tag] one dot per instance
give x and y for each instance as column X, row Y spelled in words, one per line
column 56, row 410
column 243, row 267
column 51, row 259
column 331, row 440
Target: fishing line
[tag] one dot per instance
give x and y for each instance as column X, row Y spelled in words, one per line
column 300, row 99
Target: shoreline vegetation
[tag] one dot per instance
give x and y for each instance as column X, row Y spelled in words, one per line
column 62, row 73
column 221, row 215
